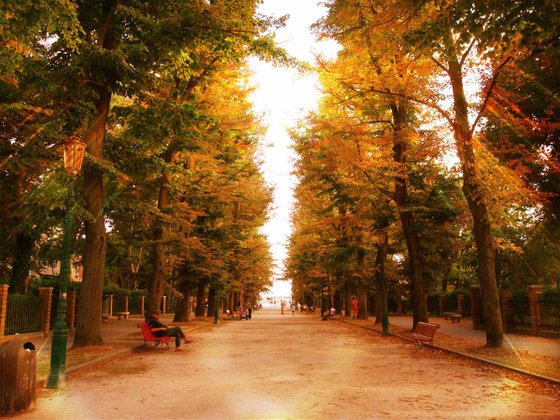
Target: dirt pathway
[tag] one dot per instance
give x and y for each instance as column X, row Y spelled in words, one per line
column 277, row 367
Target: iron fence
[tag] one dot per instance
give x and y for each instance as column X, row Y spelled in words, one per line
column 520, row 311
column 54, row 308
column 550, row 311
column 119, row 303
column 23, row 314
column 134, row 305
column 105, row 306
column 171, row 302
column 432, row 303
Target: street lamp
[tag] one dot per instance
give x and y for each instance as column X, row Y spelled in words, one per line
column 73, row 156
column 383, row 241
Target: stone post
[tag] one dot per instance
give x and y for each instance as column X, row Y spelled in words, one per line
column 46, row 293
column 3, row 307
column 163, row 304
column 475, row 306
column 535, row 291
column 71, row 310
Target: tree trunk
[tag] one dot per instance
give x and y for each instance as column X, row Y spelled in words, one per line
column 416, row 266
column 24, row 247
column 377, row 280
column 362, row 285
column 200, row 294
column 182, row 311
column 211, row 302
column 88, row 323
column 481, row 219
column 155, row 284
column 88, row 317
column 347, row 298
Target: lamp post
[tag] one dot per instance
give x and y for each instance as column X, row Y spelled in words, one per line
column 73, row 156
column 383, row 240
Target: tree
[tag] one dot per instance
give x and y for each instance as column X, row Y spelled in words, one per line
column 453, row 34
column 122, row 48
column 376, row 75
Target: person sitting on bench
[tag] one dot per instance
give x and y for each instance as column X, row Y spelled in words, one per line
column 161, row 330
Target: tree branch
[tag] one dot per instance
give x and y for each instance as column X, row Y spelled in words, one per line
column 441, row 66
column 466, row 53
column 489, row 94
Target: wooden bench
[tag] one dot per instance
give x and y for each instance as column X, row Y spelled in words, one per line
column 455, row 317
column 123, row 315
column 149, row 336
column 422, row 334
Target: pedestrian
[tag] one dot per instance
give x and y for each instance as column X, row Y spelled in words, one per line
column 293, row 309
column 282, row 307
column 249, row 309
column 161, row 330
column 354, row 307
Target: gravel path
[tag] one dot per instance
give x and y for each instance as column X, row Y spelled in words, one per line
column 279, row 366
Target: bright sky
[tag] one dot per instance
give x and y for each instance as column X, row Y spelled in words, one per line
column 283, row 96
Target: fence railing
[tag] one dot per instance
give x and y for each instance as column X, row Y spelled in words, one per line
column 120, row 303
column 520, row 311
column 30, row 313
column 135, row 306
column 54, row 308
column 23, row 314
column 171, row 302
column 549, row 308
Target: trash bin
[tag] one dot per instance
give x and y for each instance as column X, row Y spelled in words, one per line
column 19, row 375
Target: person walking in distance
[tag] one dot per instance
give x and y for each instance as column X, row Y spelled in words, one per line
column 249, row 306
column 354, row 307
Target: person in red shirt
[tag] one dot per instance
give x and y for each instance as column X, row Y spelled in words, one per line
column 354, row 307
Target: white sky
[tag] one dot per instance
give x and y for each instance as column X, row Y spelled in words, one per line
column 283, row 96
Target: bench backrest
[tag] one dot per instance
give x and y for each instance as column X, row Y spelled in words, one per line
column 148, row 334
column 426, row 329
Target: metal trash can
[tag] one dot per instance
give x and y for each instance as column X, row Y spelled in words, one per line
column 19, row 375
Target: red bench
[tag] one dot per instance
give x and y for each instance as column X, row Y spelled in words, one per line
column 422, row 334
column 150, row 337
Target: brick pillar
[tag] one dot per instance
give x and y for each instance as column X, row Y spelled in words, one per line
column 460, row 299
column 475, row 306
column 441, row 304
column 505, row 306
column 142, row 302
column 163, row 304
column 110, row 306
column 3, row 307
column 46, row 293
column 71, row 310
column 534, row 292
